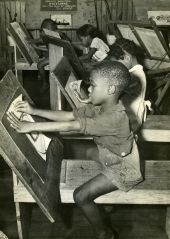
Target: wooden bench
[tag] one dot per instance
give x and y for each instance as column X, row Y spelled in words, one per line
column 155, row 189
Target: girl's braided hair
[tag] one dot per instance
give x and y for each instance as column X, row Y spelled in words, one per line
column 121, row 45
column 89, row 30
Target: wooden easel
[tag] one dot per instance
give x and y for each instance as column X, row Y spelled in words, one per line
column 67, row 50
column 57, row 49
column 28, row 58
column 21, row 155
column 25, row 56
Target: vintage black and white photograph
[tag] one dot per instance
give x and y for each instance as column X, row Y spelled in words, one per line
column 84, row 119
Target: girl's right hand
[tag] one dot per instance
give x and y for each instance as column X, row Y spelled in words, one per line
column 85, row 101
column 19, row 126
column 24, row 106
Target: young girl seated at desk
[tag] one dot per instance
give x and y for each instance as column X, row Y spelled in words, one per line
column 132, row 56
column 42, row 47
column 106, row 120
column 95, row 41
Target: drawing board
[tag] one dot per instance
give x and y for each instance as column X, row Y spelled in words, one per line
column 21, row 38
column 127, row 33
column 67, row 81
column 20, row 153
column 152, row 43
column 148, row 37
column 69, row 52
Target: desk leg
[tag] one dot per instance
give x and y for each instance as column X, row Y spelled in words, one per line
column 19, row 76
column 55, row 94
column 162, row 93
column 23, row 215
column 168, row 221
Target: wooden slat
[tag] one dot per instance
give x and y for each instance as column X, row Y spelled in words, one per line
column 17, row 9
column 156, row 129
column 23, row 216
column 14, row 7
column 1, row 27
column 26, row 66
column 119, row 197
column 22, row 9
column 22, row 195
column 157, row 174
column 155, row 189
column 3, row 36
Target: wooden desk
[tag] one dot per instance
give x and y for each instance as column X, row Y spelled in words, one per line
column 154, row 190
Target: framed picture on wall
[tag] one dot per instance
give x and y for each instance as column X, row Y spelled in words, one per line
column 160, row 17
column 62, row 20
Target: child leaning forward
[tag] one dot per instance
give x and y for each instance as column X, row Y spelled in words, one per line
column 106, row 120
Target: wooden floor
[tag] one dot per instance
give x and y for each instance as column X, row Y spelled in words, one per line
column 131, row 221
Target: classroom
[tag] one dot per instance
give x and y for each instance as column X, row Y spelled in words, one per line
column 84, row 119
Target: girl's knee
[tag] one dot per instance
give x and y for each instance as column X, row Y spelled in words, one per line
column 79, row 196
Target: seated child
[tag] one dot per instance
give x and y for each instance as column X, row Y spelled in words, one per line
column 106, row 120
column 131, row 55
column 93, row 39
column 44, row 61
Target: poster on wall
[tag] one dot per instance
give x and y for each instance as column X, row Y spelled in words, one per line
column 58, row 5
column 160, row 17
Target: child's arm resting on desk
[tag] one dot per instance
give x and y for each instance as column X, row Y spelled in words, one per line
column 25, row 107
column 27, row 127
column 88, row 55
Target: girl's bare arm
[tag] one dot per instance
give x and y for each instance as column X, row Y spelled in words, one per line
column 27, row 127
column 25, row 107
column 88, row 55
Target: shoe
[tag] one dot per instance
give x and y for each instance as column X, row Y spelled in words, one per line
column 115, row 235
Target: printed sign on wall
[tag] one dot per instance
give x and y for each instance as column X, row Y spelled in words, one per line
column 58, row 5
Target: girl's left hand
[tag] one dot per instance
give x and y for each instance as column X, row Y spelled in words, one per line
column 85, row 101
column 19, row 126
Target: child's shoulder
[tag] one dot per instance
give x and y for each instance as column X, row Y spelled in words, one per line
column 97, row 40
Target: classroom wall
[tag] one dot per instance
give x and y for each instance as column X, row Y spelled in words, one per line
column 142, row 6
column 8, row 9
column 85, row 13
column 131, row 10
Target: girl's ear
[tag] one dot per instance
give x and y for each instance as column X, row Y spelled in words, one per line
column 111, row 89
column 128, row 61
column 127, row 58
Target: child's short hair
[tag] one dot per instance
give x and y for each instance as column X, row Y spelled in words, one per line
column 90, row 30
column 114, row 73
column 121, row 45
column 48, row 22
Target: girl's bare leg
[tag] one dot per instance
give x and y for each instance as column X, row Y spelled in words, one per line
column 84, row 197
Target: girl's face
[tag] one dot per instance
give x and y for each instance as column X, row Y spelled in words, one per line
column 85, row 40
column 127, row 60
column 98, row 90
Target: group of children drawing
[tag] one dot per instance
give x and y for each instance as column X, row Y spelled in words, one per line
column 113, row 115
